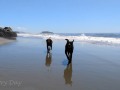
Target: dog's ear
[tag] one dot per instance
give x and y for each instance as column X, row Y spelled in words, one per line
column 67, row 40
column 73, row 40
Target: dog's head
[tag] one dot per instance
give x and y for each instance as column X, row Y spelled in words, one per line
column 69, row 44
column 49, row 41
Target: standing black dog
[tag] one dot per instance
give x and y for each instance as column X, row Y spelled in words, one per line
column 49, row 44
column 69, row 50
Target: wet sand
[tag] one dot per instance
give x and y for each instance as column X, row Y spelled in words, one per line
column 24, row 65
column 5, row 41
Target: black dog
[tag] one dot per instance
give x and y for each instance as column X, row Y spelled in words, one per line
column 49, row 45
column 69, row 50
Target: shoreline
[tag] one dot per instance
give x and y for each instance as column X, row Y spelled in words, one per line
column 4, row 41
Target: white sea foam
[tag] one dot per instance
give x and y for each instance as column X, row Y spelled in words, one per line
column 82, row 37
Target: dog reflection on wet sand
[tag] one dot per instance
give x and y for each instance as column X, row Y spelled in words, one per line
column 48, row 59
column 68, row 74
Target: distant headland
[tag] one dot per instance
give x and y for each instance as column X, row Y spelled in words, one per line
column 46, row 32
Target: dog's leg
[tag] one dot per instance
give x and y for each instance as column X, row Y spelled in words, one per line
column 67, row 54
column 51, row 46
column 47, row 49
column 70, row 58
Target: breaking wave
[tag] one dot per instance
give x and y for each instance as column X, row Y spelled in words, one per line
column 76, row 37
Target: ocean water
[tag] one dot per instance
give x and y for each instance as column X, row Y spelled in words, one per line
column 94, row 38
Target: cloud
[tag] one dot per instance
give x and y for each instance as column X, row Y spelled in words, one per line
column 21, row 28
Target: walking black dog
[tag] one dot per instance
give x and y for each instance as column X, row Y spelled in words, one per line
column 69, row 50
column 49, row 44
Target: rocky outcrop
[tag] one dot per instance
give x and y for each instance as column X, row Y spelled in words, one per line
column 47, row 32
column 7, row 32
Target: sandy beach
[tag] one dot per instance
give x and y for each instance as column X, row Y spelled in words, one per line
column 4, row 41
column 24, row 65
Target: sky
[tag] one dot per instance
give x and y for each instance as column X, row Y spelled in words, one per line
column 61, row 16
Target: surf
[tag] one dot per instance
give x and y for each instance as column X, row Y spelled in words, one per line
column 77, row 37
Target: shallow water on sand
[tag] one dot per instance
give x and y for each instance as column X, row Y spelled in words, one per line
column 24, row 65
